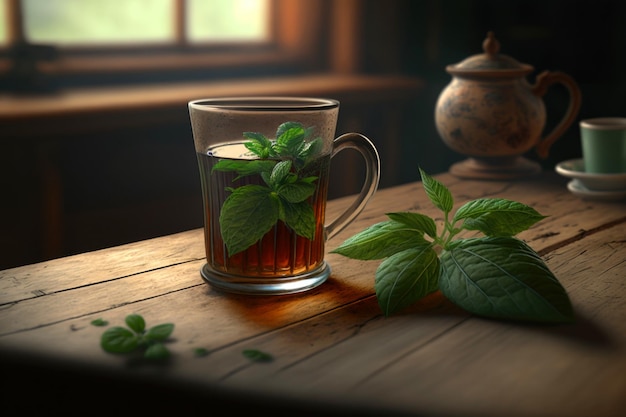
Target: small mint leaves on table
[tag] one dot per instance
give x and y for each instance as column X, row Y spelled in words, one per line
column 136, row 337
column 256, row 355
column 496, row 275
column 250, row 211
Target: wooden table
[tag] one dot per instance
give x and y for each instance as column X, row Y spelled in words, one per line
column 334, row 352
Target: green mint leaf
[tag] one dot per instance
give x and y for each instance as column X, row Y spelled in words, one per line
column 159, row 332
column 266, row 177
column 438, row 193
column 136, row 322
column 405, row 277
column 99, row 322
column 244, row 167
column 497, row 216
column 156, row 351
column 247, row 214
column 380, row 241
column 291, row 126
column 300, row 217
column 417, row 221
column 201, row 352
column 259, row 145
column 119, row 340
column 502, row 277
column 280, row 173
column 311, row 149
column 296, row 192
column 257, row 356
column 290, row 142
column 308, row 180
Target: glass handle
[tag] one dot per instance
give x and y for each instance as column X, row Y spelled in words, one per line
column 372, row 176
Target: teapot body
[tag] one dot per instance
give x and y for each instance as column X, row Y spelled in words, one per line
column 490, row 113
column 490, row 118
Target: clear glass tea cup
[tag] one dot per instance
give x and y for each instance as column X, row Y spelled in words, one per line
column 265, row 170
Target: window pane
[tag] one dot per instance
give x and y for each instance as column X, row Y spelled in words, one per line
column 98, row 21
column 3, row 24
column 227, row 20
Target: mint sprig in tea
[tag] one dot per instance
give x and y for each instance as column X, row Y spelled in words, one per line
column 265, row 204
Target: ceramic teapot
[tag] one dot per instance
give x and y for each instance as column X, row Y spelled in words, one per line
column 492, row 114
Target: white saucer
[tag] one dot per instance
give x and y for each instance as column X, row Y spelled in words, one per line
column 574, row 168
column 577, row 188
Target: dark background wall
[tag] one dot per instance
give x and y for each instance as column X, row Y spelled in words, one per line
column 583, row 38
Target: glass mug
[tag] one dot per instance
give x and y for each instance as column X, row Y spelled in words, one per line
column 264, row 168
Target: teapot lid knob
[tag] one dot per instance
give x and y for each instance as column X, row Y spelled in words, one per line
column 490, row 63
column 491, row 46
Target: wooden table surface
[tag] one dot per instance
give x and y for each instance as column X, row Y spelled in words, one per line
column 334, row 352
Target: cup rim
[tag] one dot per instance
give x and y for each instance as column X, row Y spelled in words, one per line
column 265, row 103
column 604, row 123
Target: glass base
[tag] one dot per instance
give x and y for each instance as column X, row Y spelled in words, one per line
column 265, row 285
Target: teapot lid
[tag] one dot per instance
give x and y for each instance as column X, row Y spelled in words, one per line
column 490, row 63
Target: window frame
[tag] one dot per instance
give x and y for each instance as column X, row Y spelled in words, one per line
column 296, row 42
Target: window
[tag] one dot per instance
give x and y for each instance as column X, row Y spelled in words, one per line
column 4, row 36
column 88, row 41
column 228, row 20
column 92, row 22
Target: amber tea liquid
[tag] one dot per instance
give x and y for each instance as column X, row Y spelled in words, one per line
column 281, row 252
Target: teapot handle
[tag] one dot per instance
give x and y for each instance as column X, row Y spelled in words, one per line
column 543, row 81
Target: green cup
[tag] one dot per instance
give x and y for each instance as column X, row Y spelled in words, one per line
column 603, row 142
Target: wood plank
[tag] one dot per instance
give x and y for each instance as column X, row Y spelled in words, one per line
column 88, row 100
column 83, row 270
column 132, row 106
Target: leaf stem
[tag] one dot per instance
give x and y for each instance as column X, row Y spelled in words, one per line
column 448, row 232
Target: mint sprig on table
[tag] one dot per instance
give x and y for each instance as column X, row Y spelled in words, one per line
column 122, row 340
column 496, row 275
column 136, row 337
column 250, row 211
